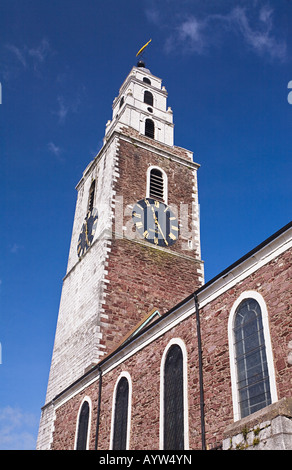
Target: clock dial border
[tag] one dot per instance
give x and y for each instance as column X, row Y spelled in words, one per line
column 87, row 232
column 155, row 222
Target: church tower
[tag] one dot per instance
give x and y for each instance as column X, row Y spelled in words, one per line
column 135, row 243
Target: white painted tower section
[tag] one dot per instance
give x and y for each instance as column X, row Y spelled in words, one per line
column 131, row 110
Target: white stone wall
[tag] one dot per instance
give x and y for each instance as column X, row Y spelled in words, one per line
column 77, row 340
column 267, row 429
column 78, row 333
column 274, row 434
column 134, row 111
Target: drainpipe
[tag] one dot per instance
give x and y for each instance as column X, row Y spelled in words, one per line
column 98, row 407
column 202, row 404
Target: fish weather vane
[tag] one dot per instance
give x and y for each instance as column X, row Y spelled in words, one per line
column 141, row 51
column 143, row 48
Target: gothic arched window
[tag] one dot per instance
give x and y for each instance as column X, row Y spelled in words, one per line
column 82, row 430
column 148, row 98
column 121, row 415
column 149, row 128
column 173, row 438
column 253, row 382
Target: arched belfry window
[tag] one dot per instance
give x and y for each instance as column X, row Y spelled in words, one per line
column 156, row 184
column 149, row 128
column 253, row 382
column 121, row 415
column 91, row 196
column 148, row 98
column 173, row 425
column 82, row 428
column 146, row 80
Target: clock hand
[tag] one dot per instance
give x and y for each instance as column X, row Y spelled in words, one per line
column 159, row 228
column 86, row 233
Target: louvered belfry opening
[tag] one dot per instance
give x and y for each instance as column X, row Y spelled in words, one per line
column 149, row 128
column 148, row 98
column 156, row 184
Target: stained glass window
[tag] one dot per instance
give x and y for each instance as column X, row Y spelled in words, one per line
column 173, row 400
column 251, row 360
column 83, row 427
column 121, row 415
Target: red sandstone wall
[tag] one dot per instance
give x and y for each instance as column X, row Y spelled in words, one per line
column 131, row 184
column 142, row 277
column 273, row 282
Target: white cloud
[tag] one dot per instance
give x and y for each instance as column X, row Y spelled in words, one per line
column 29, row 57
column 40, row 52
column 15, row 248
column 69, row 105
column 17, row 429
column 54, row 149
column 62, row 111
column 192, row 32
column 18, row 53
column 261, row 38
column 153, row 15
column 255, row 28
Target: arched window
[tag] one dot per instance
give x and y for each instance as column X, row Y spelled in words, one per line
column 157, row 184
column 149, row 128
column 146, row 80
column 251, row 359
column 148, row 98
column 121, row 415
column 91, row 196
column 122, row 101
column 173, row 416
column 82, row 429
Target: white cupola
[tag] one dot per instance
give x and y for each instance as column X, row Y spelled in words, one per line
column 142, row 105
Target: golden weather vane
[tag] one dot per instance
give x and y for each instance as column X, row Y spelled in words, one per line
column 143, row 48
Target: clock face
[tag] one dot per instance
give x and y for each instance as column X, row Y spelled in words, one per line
column 155, row 222
column 87, row 232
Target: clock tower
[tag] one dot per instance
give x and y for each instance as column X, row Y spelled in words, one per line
column 135, row 242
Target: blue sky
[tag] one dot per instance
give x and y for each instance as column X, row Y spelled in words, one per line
column 226, row 66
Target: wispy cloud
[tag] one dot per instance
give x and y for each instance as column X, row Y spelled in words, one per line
column 24, row 57
column 68, row 105
column 17, row 429
column 261, row 38
column 62, row 110
column 15, row 248
column 40, row 52
column 54, row 149
column 255, row 27
column 153, row 15
column 18, row 53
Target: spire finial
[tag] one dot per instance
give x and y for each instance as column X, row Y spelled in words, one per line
column 141, row 62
